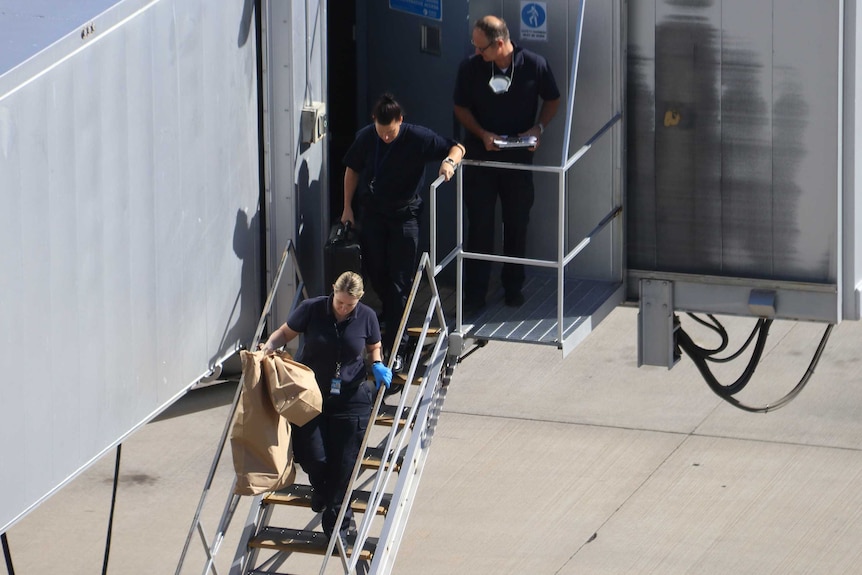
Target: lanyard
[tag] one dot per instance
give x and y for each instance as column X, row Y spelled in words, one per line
column 337, row 350
column 378, row 161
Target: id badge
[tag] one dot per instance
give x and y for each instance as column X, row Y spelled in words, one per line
column 335, row 386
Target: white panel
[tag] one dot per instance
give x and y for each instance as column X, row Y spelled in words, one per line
column 129, row 171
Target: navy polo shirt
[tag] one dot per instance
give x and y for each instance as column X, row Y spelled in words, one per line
column 397, row 168
column 328, row 342
column 506, row 114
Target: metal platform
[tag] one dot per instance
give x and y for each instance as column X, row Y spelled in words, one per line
column 585, row 304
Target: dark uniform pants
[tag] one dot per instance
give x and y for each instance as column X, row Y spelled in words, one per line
column 390, row 245
column 481, row 188
column 327, row 447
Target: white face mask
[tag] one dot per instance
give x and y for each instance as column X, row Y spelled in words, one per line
column 500, row 83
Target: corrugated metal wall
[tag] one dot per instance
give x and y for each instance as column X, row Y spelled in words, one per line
column 733, row 109
column 129, row 177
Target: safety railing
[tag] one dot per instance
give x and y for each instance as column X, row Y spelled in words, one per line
column 212, row 547
column 459, row 254
column 412, row 436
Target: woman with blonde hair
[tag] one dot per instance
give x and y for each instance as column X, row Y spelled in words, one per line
column 339, row 332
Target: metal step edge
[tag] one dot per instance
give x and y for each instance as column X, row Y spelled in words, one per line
column 302, row 541
column 299, row 495
column 386, row 416
column 373, row 458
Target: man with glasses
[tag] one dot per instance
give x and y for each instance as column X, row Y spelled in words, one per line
column 497, row 94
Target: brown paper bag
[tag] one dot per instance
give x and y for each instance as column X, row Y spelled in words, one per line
column 260, row 437
column 292, row 388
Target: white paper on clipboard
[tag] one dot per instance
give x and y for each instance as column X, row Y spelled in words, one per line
column 506, row 142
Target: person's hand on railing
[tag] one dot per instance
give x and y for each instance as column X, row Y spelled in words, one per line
column 382, row 375
column 447, row 168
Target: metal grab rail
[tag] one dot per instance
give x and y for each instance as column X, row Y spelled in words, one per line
column 212, row 549
column 458, row 253
column 416, row 422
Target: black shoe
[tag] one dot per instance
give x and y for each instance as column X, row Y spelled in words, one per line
column 318, row 503
column 398, row 364
column 514, row 298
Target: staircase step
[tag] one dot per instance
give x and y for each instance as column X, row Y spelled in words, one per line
column 303, row 541
column 300, row 496
column 374, row 456
column 417, row 331
column 386, row 416
column 399, row 379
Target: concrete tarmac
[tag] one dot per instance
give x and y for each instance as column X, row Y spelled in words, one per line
column 543, row 465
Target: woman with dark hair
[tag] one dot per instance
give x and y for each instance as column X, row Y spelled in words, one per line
column 339, row 332
column 386, row 163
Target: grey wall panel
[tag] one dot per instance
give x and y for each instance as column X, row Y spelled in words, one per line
column 747, row 194
column 737, row 175
column 640, row 135
column 805, row 92
column 688, row 160
column 129, row 176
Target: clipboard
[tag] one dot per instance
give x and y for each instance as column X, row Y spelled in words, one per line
column 510, row 142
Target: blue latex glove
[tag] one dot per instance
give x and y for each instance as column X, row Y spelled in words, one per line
column 382, row 375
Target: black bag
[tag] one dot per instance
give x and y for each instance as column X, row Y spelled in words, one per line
column 341, row 253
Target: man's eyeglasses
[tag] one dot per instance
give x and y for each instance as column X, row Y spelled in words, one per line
column 482, row 50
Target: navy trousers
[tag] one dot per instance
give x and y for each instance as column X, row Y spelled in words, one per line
column 515, row 189
column 390, row 246
column 327, row 447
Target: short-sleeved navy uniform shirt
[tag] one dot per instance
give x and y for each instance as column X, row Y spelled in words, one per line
column 397, row 168
column 327, row 342
column 506, row 114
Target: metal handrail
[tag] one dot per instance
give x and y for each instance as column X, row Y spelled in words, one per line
column 390, row 450
column 230, row 506
column 563, row 257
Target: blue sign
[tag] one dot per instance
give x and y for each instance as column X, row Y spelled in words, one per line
column 533, row 15
column 426, row 8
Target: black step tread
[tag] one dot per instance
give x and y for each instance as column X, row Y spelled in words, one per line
column 299, row 495
column 374, row 456
column 386, row 416
column 399, row 379
column 303, row 541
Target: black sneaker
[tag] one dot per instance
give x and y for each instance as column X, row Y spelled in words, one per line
column 398, row 364
column 318, row 504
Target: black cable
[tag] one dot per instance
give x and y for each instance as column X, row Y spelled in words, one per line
column 7, row 554
column 726, row 392
column 699, row 358
column 717, row 328
column 113, row 506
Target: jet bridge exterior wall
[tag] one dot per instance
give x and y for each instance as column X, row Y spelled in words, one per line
column 742, row 147
column 130, row 232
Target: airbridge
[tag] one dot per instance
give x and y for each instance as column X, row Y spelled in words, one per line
column 155, row 159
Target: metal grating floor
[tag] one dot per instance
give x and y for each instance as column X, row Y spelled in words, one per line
column 586, row 303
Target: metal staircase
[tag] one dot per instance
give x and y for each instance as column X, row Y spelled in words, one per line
column 385, row 477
